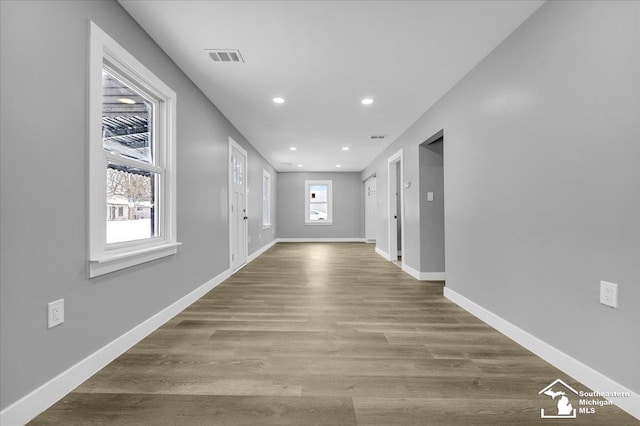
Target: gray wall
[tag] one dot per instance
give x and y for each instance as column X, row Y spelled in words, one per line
column 259, row 237
column 348, row 206
column 44, row 185
column 541, row 181
column 431, row 212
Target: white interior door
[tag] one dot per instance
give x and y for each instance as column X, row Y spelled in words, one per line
column 370, row 206
column 238, row 242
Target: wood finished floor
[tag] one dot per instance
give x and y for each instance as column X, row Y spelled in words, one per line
column 322, row 334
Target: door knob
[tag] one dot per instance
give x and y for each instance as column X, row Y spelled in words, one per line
column 245, row 218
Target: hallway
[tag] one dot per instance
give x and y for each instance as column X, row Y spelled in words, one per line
column 321, row 333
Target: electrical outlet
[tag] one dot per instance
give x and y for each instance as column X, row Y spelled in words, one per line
column 609, row 294
column 56, row 313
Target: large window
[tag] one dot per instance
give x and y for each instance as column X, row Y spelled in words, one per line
column 131, row 160
column 266, row 199
column 128, row 136
column 318, row 202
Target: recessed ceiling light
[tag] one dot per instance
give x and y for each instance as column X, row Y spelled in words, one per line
column 345, row 148
column 299, row 165
column 293, row 148
column 367, row 101
column 126, row 101
column 338, row 165
column 278, row 100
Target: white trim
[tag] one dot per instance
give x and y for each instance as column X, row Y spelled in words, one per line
column 320, row 240
column 370, row 240
column 420, row 276
column 433, row 276
column 234, row 144
column 571, row 366
column 34, row 403
column 143, row 250
column 383, row 253
column 113, row 263
column 409, row 270
column 261, row 250
column 132, row 163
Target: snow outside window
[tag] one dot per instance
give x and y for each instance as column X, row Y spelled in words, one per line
column 318, row 202
column 131, row 160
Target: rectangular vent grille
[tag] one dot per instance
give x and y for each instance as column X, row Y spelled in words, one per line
column 378, row 136
column 225, row 55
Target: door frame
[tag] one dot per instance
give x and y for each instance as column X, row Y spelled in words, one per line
column 234, row 144
column 396, row 160
column 367, row 193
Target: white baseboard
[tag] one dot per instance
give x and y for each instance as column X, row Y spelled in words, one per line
column 433, row 276
column 409, row 270
column 571, row 366
column 34, row 403
column 424, row 276
column 321, row 240
column 370, row 240
column 382, row 253
column 253, row 256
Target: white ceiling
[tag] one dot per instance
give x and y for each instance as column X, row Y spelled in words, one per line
column 323, row 57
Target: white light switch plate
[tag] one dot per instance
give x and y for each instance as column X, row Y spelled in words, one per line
column 430, row 196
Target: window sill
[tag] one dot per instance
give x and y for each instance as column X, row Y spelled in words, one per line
column 267, row 226
column 320, row 222
column 111, row 262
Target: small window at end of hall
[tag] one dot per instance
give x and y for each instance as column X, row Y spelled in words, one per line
column 318, row 202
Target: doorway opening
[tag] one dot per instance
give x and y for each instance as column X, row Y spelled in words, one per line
column 431, row 195
column 395, row 188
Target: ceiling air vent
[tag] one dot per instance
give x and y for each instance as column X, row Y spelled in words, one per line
column 225, row 55
column 373, row 137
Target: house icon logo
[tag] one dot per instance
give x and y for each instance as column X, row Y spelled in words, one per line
column 557, row 391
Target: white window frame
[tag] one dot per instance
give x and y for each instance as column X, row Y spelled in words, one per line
column 266, row 196
column 103, row 257
column 307, row 193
